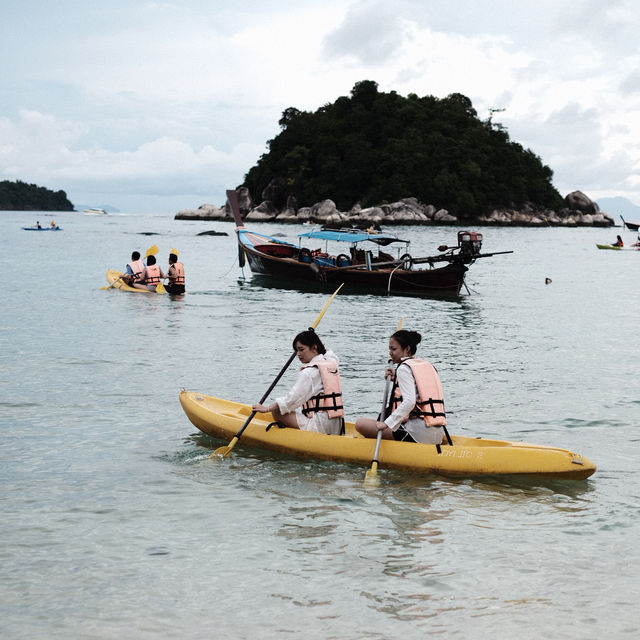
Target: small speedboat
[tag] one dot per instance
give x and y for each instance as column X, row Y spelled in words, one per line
column 95, row 212
column 464, row 457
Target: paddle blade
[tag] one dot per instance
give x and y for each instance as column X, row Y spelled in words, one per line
column 151, row 251
column 160, row 288
column 225, row 452
column 371, row 478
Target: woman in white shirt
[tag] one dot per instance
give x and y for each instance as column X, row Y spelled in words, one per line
column 417, row 404
column 314, row 403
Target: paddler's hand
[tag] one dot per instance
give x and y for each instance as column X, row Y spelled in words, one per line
column 260, row 408
column 381, row 425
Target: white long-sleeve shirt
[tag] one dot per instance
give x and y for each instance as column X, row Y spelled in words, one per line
column 307, row 385
column 415, row 427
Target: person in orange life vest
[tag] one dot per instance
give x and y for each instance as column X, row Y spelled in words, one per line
column 414, row 381
column 154, row 275
column 175, row 274
column 314, row 403
column 618, row 242
column 135, row 270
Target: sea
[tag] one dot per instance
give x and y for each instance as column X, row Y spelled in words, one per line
column 117, row 524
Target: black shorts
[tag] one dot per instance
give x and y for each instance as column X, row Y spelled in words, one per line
column 175, row 289
column 401, row 435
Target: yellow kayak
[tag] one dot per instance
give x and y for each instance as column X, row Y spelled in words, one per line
column 467, row 457
column 113, row 275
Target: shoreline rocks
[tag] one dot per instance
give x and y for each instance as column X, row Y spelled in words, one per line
column 579, row 211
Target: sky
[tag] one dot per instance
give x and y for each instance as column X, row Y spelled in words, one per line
column 154, row 107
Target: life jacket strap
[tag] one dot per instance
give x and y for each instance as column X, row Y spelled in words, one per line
column 313, row 404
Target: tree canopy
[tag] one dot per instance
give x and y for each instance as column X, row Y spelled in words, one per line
column 374, row 147
column 20, row 196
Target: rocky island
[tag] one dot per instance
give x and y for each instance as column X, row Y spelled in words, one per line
column 579, row 211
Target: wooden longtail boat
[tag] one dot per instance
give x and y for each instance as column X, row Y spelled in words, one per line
column 358, row 268
column 465, row 457
column 630, row 225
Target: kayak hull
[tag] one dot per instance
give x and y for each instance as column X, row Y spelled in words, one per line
column 615, row 248
column 42, row 228
column 113, row 275
column 467, row 457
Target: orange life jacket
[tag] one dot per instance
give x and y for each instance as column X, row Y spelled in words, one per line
column 153, row 274
column 137, row 269
column 429, row 398
column 178, row 270
column 330, row 400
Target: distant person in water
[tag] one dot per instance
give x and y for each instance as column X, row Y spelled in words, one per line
column 618, row 242
column 154, row 275
column 175, row 274
column 135, row 271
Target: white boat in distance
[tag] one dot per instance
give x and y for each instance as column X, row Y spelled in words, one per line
column 95, row 212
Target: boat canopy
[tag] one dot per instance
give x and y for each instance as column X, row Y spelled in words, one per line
column 352, row 236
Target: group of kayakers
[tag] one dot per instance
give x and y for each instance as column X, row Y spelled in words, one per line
column 414, row 411
column 52, row 224
column 148, row 276
column 620, row 243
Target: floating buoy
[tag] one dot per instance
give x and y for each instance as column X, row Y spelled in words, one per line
column 547, row 280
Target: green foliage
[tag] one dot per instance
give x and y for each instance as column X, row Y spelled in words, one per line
column 375, row 147
column 20, row 196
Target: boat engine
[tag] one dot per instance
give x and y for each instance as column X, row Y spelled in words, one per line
column 470, row 243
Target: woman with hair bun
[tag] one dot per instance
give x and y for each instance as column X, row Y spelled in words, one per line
column 416, row 410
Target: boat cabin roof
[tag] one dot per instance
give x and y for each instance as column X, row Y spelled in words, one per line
column 352, row 235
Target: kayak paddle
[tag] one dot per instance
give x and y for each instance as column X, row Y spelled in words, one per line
column 223, row 452
column 371, row 476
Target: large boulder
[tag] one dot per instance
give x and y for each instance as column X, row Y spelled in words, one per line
column 578, row 201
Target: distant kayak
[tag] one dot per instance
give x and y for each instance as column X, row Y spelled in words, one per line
column 42, row 228
column 616, row 248
column 113, row 277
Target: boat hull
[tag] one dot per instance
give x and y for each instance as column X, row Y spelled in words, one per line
column 42, row 228
column 443, row 281
column 467, row 457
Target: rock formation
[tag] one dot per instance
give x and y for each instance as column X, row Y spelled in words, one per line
column 579, row 211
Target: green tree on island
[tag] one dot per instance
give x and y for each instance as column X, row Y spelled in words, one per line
column 373, row 147
column 20, row 196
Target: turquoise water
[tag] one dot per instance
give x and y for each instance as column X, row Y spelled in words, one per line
column 116, row 523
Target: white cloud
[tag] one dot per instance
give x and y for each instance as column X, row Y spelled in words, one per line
column 143, row 97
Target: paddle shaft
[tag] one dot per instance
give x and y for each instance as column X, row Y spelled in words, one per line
column 383, row 415
column 266, row 395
